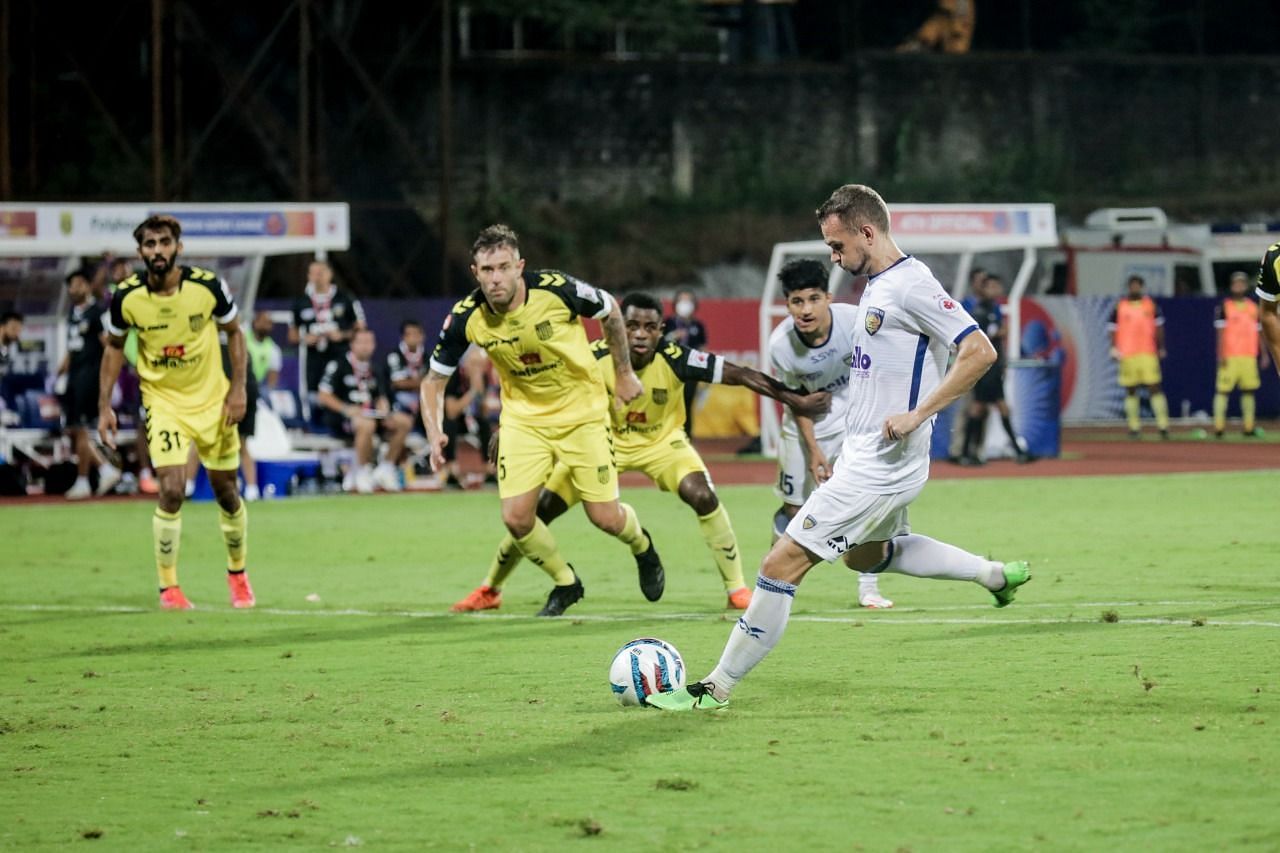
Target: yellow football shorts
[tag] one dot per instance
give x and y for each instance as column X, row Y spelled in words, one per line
column 1143, row 369
column 170, row 435
column 527, row 456
column 665, row 462
column 1239, row 371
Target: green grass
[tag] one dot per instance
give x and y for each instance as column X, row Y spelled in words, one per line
column 941, row 725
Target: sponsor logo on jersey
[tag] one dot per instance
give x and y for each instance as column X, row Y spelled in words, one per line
column 808, row 523
column 660, row 396
column 176, row 351
column 543, row 330
column 530, row 358
column 637, row 418
column 947, row 304
column 698, row 358
column 602, row 473
column 196, row 322
column 860, row 360
column 873, row 321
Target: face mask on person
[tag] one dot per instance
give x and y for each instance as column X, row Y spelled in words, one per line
column 684, row 309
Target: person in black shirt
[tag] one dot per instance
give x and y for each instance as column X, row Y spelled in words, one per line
column 355, row 395
column 989, row 390
column 1268, row 292
column 405, row 367
column 80, row 365
column 467, row 404
column 324, row 319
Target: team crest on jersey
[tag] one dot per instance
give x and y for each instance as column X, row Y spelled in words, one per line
column 808, row 522
column 873, row 321
column 196, row 322
column 947, row 304
column 602, row 473
column 543, row 330
column 660, row 396
column 698, row 358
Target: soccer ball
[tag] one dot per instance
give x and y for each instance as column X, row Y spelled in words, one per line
column 643, row 667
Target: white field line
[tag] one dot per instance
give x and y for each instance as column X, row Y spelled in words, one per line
column 883, row 618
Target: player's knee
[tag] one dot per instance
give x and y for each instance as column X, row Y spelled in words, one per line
column 550, row 506
column 867, row 557
column 518, row 525
column 608, row 517
column 782, row 518
column 787, row 561
column 698, row 494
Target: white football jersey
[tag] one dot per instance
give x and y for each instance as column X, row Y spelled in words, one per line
column 906, row 328
column 821, row 368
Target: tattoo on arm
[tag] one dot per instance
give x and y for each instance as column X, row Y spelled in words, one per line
column 615, row 333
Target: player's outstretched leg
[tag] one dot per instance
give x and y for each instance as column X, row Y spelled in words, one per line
column 166, row 532
column 233, row 521
column 922, row 557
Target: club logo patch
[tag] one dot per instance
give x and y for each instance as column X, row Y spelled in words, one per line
column 543, row 330
column 196, row 322
column 808, row 522
column 602, row 473
column 947, row 304
column 698, row 358
column 660, row 396
column 873, row 321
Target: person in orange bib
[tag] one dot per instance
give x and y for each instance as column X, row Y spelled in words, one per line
column 1236, row 320
column 1137, row 343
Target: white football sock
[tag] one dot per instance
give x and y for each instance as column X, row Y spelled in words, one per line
column 755, row 635
column 868, row 582
column 922, row 557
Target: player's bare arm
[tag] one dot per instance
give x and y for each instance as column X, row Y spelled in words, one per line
column 813, row 405
column 108, row 373
column 238, row 353
column 974, row 357
column 431, row 397
column 1270, row 328
column 627, row 386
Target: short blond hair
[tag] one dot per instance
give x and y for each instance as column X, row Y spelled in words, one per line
column 856, row 204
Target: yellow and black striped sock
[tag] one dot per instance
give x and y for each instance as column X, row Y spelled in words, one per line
column 505, row 560
column 717, row 532
column 166, row 533
column 632, row 535
column 540, row 548
column 235, row 533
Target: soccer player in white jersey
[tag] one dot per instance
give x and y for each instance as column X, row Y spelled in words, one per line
column 907, row 326
column 812, row 349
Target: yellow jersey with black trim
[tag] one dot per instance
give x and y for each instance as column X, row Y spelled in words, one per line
column 659, row 411
column 179, row 362
column 548, row 374
column 1269, row 275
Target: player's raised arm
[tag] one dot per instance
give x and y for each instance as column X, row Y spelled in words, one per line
column 1271, row 329
column 108, row 373
column 811, row 406
column 628, row 386
column 431, row 397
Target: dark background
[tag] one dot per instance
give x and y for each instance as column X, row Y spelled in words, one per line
column 691, row 135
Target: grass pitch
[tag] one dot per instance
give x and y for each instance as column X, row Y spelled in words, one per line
column 1127, row 700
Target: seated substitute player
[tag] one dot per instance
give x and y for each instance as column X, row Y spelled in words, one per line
column 466, row 402
column 1268, row 292
column 80, row 401
column 649, row 437
column 554, row 404
column 905, row 330
column 355, row 395
column 187, row 399
column 1236, row 320
column 812, row 348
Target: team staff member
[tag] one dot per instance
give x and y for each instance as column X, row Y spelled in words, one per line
column 80, row 400
column 187, row 399
column 554, row 404
column 648, row 436
column 1137, row 342
column 1268, row 292
column 325, row 318
column 1236, row 320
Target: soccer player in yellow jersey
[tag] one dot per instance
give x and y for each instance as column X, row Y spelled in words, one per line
column 1137, row 343
column 649, row 437
column 1268, row 295
column 186, row 397
column 554, row 404
column 1237, row 323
